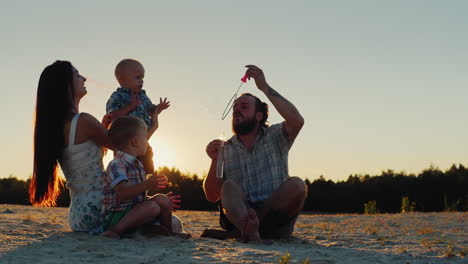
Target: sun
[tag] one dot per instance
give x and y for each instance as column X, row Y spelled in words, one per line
column 163, row 154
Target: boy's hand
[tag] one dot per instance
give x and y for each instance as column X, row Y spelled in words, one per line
column 156, row 183
column 163, row 105
column 175, row 200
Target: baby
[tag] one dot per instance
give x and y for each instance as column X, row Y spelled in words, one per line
column 131, row 100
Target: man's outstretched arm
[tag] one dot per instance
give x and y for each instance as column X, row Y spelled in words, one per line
column 293, row 119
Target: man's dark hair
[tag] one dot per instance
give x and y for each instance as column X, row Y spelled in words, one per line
column 260, row 107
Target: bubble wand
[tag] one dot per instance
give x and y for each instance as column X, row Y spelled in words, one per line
column 220, row 158
column 233, row 98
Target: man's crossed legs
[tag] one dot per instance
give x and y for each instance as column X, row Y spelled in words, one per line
column 273, row 218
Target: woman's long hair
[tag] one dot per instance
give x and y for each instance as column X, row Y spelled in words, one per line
column 54, row 107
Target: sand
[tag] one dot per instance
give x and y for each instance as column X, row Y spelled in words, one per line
column 42, row 235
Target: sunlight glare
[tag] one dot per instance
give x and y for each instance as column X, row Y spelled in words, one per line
column 163, row 153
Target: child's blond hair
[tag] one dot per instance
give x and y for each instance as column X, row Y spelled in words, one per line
column 123, row 129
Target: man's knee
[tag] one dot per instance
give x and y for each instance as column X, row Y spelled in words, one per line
column 299, row 186
column 230, row 186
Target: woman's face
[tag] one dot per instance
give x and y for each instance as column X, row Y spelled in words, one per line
column 78, row 84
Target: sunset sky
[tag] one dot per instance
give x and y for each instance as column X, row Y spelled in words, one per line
column 381, row 84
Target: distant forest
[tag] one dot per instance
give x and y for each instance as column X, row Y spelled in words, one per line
column 432, row 190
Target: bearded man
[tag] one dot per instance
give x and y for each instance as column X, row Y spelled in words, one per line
column 258, row 199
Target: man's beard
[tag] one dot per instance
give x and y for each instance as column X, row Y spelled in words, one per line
column 244, row 127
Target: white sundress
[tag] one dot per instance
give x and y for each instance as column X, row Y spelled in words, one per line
column 84, row 171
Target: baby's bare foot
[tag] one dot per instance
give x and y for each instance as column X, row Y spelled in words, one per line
column 154, row 231
column 111, row 234
column 182, row 235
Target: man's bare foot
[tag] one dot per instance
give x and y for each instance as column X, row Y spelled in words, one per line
column 111, row 234
column 181, row 235
column 249, row 232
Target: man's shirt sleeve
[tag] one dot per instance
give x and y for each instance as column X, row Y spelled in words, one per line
column 279, row 133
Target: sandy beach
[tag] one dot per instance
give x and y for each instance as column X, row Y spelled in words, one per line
column 42, row 235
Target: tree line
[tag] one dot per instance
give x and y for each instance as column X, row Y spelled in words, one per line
column 432, row 190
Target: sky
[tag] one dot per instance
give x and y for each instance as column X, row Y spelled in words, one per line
column 381, row 84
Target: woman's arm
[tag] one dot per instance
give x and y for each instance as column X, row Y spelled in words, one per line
column 89, row 128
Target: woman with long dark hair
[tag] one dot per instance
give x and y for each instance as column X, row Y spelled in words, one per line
column 63, row 135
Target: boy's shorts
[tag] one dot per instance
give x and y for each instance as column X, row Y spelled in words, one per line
column 114, row 217
column 269, row 227
column 147, row 160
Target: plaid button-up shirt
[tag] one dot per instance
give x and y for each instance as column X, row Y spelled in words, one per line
column 261, row 171
column 124, row 167
column 122, row 98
